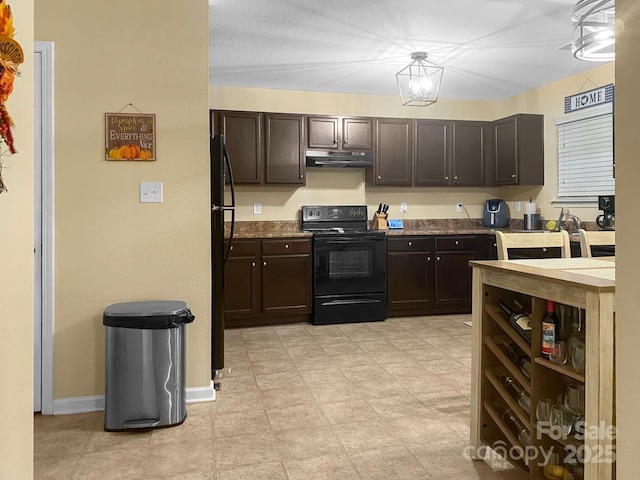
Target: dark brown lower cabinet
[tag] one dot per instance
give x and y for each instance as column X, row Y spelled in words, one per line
column 268, row 281
column 429, row 275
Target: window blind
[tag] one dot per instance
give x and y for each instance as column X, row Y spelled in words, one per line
column 585, row 155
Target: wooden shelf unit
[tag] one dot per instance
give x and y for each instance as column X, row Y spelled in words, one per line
column 492, row 331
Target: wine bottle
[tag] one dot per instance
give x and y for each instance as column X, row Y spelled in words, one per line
column 550, row 325
column 520, row 320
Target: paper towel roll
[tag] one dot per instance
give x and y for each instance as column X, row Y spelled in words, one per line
column 530, row 207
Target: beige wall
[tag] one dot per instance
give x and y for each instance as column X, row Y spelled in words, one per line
column 16, row 269
column 340, row 186
column 108, row 247
column 627, row 146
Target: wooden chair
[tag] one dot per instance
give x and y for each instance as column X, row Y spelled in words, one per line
column 505, row 241
column 595, row 237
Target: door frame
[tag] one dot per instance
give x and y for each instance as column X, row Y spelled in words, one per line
column 44, row 210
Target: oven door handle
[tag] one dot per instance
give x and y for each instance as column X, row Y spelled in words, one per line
column 344, row 240
column 351, row 301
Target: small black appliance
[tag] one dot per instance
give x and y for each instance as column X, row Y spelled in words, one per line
column 606, row 221
column 495, row 213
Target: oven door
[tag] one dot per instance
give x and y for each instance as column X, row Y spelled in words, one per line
column 346, row 264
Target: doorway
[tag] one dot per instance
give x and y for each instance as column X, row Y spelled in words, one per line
column 43, row 230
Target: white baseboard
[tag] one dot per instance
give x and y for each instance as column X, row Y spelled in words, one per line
column 95, row 403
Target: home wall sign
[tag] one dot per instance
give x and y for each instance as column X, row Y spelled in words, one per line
column 11, row 56
column 130, row 136
column 590, row 98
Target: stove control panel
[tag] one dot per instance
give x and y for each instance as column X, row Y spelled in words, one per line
column 334, row 213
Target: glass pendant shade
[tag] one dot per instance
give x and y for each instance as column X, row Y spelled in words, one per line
column 419, row 82
column 594, row 30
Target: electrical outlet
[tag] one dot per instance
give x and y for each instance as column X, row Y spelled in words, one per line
column 403, row 207
column 257, row 208
column 518, row 206
column 458, row 207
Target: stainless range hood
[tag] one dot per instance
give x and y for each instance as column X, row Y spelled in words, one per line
column 340, row 159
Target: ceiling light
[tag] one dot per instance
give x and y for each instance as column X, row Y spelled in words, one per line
column 594, row 32
column 419, row 82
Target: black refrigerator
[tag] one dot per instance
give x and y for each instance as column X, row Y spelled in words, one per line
column 221, row 173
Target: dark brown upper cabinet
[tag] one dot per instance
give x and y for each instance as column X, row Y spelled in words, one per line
column 284, row 149
column 433, row 153
column 393, row 164
column 339, row 133
column 428, row 153
column 518, row 150
column 243, row 138
column 264, row 148
column 468, row 153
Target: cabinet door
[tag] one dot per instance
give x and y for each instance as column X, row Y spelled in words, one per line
column 357, row 134
column 284, row 156
column 243, row 138
column 468, row 153
column 323, row 132
column 432, row 165
column 394, row 152
column 410, row 283
column 241, row 287
column 453, row 281
column 286, row 284
column 506, row 151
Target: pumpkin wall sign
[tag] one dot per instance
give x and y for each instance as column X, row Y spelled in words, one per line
column 11, row 56
column 130, row 136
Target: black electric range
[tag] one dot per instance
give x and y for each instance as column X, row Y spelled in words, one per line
column 349, row 264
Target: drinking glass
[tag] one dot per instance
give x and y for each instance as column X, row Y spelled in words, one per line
column 574, row 399
column 559, row 355
column 543, row 409
column 577, row 357
column 563, row 418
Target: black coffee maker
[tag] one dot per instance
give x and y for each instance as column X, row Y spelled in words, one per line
column 606, row 203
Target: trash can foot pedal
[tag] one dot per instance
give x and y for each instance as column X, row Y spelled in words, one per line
column 145, row 423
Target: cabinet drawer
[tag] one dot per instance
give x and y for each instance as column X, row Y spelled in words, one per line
column 286, row 246
column 462, row 242
column 244, row 248
column 410, row 244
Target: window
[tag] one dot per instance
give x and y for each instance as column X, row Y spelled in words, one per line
column 585, row 154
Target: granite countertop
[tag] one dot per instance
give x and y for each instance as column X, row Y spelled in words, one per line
column 291, row 229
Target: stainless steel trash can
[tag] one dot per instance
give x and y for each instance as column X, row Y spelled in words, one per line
column 145, row 364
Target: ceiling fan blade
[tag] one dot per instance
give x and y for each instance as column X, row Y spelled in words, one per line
column 566, row 46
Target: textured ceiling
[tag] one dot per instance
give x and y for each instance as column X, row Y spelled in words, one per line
column 491, row 49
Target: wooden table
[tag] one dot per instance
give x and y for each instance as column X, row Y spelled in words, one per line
column 586, row 283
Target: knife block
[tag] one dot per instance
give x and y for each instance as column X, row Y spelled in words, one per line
column 380, row 221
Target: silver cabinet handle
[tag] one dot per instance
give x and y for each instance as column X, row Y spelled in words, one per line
column 301, row 175
column 446, row 178
column 438, row 259
column 544, row 249
column 457, row 243
column 253, row 264
column 428, row 259
column 264, row 264
column 410, row 244
column 513, row 176
column 231, row 248
column 379, row 177
column 286, row 245
column 455, row 178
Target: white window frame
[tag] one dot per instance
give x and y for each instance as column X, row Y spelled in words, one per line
column 587, row 113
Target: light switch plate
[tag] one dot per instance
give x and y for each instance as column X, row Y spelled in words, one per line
column 518, row 207
column 150, row 192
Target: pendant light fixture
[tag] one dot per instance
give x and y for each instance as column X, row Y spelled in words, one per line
column 594, row 30
column 419, row 82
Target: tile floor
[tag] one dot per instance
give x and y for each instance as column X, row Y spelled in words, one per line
column 383, row 400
